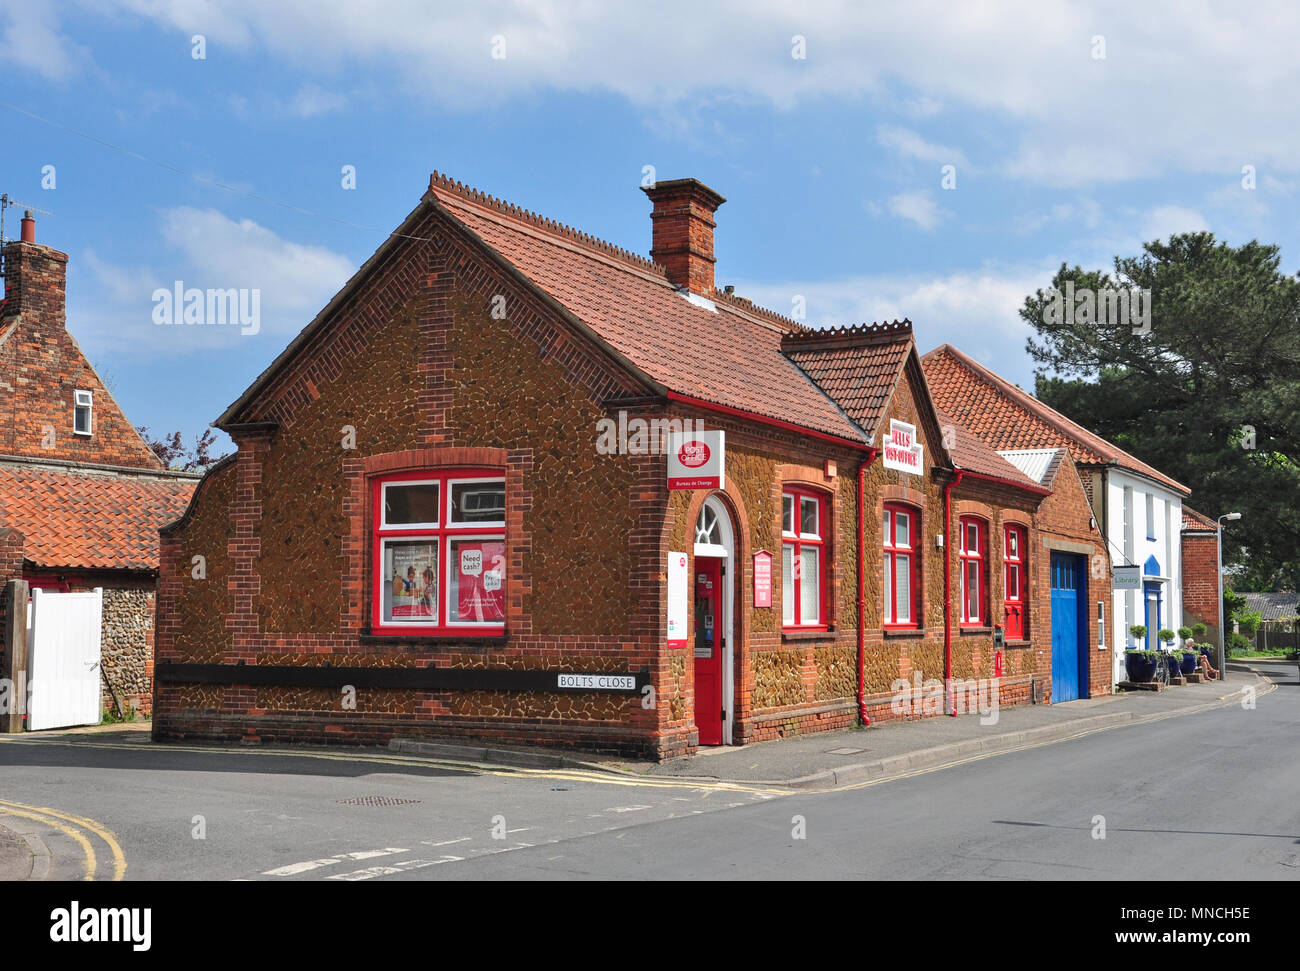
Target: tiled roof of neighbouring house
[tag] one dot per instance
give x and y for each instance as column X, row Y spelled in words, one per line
column 80, row 518
column 1274, row 606
column 1006, row 417
column 730, row 357
column 1195, row 522
column 971, row 455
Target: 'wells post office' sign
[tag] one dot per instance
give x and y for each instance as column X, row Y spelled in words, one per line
column 902, row 451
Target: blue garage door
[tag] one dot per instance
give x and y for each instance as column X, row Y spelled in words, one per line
column 1069, row 629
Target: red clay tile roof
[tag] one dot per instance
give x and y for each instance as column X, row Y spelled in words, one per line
column 1006, row 417
column 972, row 455
column 80, row 519
column 1195, row 522
column 858, row 367
column 729, row 357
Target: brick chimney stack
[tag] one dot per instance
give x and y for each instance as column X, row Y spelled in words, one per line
column 36, row 278
column 683, row 232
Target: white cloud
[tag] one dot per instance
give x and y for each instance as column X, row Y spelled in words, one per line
column 1026, row 63
column 976, row 310
column 205, row 249
column 311, row 100
column 30, row 40
column 909, row 144
column 1163, row 221
column 918, row 207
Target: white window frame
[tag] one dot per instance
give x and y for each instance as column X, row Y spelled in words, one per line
column 402, row 484
column 83, row 399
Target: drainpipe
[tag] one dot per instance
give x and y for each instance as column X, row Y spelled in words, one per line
column 947, row 594
column 862, row 590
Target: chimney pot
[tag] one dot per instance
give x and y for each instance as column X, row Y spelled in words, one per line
column 28, row 234
column 682, row 241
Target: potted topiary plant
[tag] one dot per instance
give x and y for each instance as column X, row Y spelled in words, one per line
column 1199, row 633
column 1185, row 635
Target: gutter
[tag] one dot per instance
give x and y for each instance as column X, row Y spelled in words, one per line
column 947, row 591
column 863, row 718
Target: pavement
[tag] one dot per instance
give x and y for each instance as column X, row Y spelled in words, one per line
column 897, row 748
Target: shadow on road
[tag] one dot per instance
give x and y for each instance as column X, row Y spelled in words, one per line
column 130, row 751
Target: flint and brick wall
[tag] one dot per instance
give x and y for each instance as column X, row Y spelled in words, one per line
column 425, row 375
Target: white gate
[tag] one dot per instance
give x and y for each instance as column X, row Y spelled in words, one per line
column 63, row 645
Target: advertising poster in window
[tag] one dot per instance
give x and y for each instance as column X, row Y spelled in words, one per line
column 411, row 581
column 478, row 573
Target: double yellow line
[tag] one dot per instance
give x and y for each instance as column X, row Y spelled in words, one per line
column 77, row 828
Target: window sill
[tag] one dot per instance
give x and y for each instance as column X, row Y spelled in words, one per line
column 369, row 636
column 820, row 634
column 1018, row 645
column 975, row 631
column 902, row 632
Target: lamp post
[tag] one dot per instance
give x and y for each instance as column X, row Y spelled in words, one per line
column 1223, row 643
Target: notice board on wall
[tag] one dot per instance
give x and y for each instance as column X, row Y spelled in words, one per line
column 677, row 576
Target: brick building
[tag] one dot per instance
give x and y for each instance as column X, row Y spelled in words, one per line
column 424, row 531
column 1199, row 544
column 81, row 495
column 1135, row 512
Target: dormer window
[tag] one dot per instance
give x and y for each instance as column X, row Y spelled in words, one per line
column 82, row 408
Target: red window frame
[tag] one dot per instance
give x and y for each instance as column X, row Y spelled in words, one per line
column 977, row 557
column 444, row 533
column 1016, row 559
column 893, row 552
column 796, row 539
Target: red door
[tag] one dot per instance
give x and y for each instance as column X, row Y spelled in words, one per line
column 1013, row 607
column 708, row 649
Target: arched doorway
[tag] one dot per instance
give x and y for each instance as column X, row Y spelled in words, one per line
column 715, row 570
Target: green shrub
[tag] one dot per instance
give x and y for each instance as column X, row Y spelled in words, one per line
column 1239, row 645
column 1166, row 635
column 1139, row 631
column 1185, row 633
column 1248, row 622
column 1200, row 631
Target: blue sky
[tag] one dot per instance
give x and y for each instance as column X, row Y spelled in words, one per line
column 831, row 163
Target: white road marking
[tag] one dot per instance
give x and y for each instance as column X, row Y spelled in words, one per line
column 296, row 868
column 462, row 839
column 382, row 871
column 625, row 809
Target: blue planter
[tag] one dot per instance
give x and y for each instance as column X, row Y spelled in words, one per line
column 1140, row 669
column 1191, row 662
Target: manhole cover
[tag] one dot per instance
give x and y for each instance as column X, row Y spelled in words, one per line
column 845, row 751
column 376, row 801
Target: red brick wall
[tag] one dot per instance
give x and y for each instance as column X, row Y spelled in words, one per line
column 41, row 366
column 1200, row 585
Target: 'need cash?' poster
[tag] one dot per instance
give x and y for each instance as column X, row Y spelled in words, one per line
column 478, row 570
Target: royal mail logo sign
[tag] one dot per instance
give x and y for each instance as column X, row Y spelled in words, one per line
column 696, row 460
column 902, row 451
